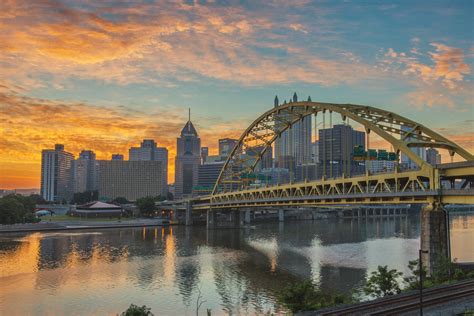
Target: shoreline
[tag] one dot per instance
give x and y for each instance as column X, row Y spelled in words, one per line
column 64, row 226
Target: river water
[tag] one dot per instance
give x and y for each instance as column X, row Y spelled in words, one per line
column 232, row 271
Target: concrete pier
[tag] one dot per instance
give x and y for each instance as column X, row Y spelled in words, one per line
column 189, row 213
column 211, row 222
column 236, row 218
column 247, row 216
column 434, row 235
column 281, row 215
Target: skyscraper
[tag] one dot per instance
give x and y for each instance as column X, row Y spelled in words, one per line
column 86, row 172
column 188, row 158
column 433, row 157
column 148, row 151
column 226, row 145
column 336, row 151
column 420, row 151
column 57, row 174
column 293, row 147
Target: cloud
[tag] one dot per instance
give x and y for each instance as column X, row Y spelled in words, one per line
column 48, row 42
column 438, row 82
column 31, row 124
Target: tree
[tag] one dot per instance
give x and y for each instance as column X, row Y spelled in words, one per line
column 383, row 282
column 146, row 205
column 15, row 208
column 120, row 200
column 304, row 296
column 135, row 310
column 85, row 197
column 38, row 199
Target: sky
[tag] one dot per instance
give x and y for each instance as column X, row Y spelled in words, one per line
column 103, row 75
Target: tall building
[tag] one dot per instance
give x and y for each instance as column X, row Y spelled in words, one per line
column 420, row 151
column 204, row 154
column 207, row 177
column 130, row 179
column 336, row 151
column 57, row 174
column 266, row 161
column 117, row 157
column 293, row 147
column 86, row 172
column 226, row 145
column 433, row 156
column 149, row 151
column 188, row 159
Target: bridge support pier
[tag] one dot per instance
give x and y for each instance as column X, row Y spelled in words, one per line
column 434, row 236
column 189, row 213
column 247, row 217
column 236, row 217
column 211, row 222
column 281, row 215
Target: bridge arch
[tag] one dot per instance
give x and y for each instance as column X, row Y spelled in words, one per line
column 263, row 132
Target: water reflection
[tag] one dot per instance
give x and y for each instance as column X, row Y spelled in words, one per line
column 235, row 270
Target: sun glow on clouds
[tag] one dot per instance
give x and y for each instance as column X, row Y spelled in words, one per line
column 30, row 125
column 50, row 45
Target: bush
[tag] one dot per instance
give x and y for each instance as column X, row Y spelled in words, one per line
column 135, row 310
column 383, row 282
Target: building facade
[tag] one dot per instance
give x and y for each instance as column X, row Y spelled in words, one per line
column 86, row 173
column 149, row 151
column 433, row 156
column 336, row 151
column 406, row 162
column 188, row 159
column 207, row 177
column 226, row 145
column 293, row 147
column 117, row 157
column 130, row 179
column 57, row 174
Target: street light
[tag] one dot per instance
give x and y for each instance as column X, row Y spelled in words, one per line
column 421, row 279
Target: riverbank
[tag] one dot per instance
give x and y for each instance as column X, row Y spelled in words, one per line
column 77, row 224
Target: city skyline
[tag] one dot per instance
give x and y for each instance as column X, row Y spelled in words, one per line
column 105, row 77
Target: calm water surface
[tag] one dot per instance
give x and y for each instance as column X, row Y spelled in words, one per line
column 236, row 271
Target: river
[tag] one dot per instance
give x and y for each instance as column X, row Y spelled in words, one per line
column 238, row 271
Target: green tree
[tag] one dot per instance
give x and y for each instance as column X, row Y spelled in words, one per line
column 135, row 310
column 383, row 282
column 304, row 296
column 146, row 205
column 85, row 197
column 15, row 208
column 120, row 200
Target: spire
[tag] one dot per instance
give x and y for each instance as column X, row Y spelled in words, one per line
column 284, row 102
column 309, row 99
column 295, row 97
column 189, row 114
column 276, row 101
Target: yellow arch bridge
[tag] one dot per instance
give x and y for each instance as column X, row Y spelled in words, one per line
column 422, row 185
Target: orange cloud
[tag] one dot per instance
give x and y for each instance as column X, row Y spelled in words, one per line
column 30, row 125
column 148, row 42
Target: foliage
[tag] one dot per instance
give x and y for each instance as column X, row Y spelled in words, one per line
column 38, row 199
column 85, row 197
column 135, row 310
column 15, row 208
column 120, row 200
column 146, row 205
column 383, row 282
column 305, row 296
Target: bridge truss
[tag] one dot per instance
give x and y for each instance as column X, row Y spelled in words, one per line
column 417, row 186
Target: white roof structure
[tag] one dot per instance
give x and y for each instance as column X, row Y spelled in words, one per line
column 97, row 206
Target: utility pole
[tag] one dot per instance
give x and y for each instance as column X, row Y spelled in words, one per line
column 421, row 252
